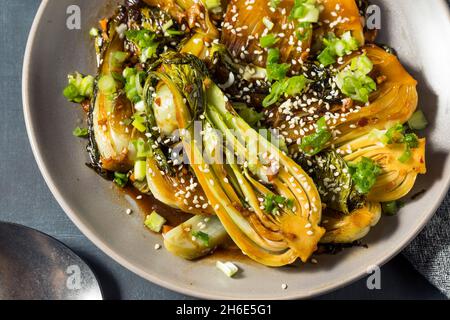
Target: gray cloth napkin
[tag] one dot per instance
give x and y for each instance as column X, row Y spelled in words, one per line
column 429, row 253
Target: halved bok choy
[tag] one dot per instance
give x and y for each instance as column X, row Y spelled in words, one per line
column 352, row 227
column 111, row 133
column 398, row 174
column 270, row 210
column 394, row 101
column 196, row 237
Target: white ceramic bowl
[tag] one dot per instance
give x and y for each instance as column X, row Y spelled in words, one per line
column 419, row 30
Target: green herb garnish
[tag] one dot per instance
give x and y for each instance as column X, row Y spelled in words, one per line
column 145, row 41
column 305, row 11
column 335, row 47
column 364, row 174
column 79, row 88
column 133, row 84
column 121, row 179
column 418, row 121
column 288, row 87
column 396, row 134
column 276, row 71
column 274, row 3
column 81, row 132
column 316, row 142
column 391, row 208
column 155, row 222
column 268, row 41
column 202, row 237
column 354, row 81
column 272, row 203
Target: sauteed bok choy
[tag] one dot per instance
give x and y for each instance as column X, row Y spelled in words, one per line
column 276, row 126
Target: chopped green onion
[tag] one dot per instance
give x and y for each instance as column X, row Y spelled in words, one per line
column 335, row 47
column 172, row 32
column 166, row 26
column 140, row 167
column 121, row 179
column 128, row 72
column 361, row 64
column 274, row 3
column 327, row 57
column 288, row 87
column 418, row 121
column 272, row 203
column 411, row 140
column 364, row 174
column 119, row 57
column 295, row 85
column 79, row 88
column 273, row 56
column 81, row 132
column 275, row 71
column 142, row 149
column 107, row 84
column 268, row 23
column 268, row 41
column 155, row 222
column 316, row 142
column 228, row 268
column 354, row 81
column 202, row 237
column 406, row 155
column 394, row 134
column 145, row 41
column 305, row 11
column 94, row 32
column 276, row 92
column 391, row 208
column 212, row 4
column 139, row 123
column 133, row 84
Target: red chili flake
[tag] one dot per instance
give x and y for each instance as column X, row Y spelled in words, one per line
column 158, row 101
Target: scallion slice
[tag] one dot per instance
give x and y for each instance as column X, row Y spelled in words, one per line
column 155, row 222
column 268, row 41
column 230, row 269
column 140, row 170
column 418, row 121
column 80, row 132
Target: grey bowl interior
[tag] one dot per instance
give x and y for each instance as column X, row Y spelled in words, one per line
column 416, row 31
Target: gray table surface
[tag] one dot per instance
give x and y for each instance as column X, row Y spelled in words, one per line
column 25, row 198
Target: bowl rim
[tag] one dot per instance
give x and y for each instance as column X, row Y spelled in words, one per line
column 151, row 276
